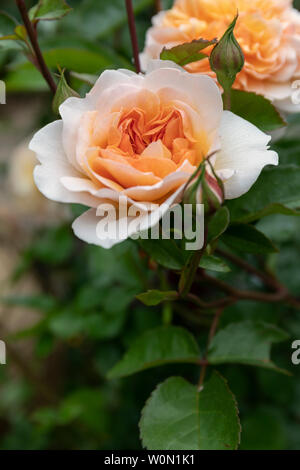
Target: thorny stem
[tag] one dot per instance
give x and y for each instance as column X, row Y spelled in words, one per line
column 280, row 294
column 224, row 302
column 265, row 277
column 188, row 275
column 39, row 62
column 158, row 5
column 227, row 100
column 211, row 334
column 188, row 279
column 133, row 35
column 234, row 295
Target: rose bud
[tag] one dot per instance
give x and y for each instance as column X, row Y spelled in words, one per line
column 212, row 193
column 227, row 58
column 204, row 189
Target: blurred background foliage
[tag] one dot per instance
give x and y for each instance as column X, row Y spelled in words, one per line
column 68, row 310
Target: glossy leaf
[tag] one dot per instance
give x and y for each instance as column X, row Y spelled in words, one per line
column 188, row 52
column 63, row 92
column 245, row 342
column 269, row 210
column 257, row 109
column 8, row 39
column 156, row 297
column 270, row 191
column 179, row 417
column 247, row 238
column 164, row 252
column 49, row 10
column 156, row 347
column 218, row 224
column 213, row 263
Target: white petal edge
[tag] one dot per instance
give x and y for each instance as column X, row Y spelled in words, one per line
column 244, row 150
column 47, row 144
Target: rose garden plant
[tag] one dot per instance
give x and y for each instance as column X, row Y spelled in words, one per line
column 195, row 124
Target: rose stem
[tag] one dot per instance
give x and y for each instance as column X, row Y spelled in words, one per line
column 227, row 100
column 189, row 273
column 133, row 35
column 158, row 5
column 211, row 334
column 35, row 45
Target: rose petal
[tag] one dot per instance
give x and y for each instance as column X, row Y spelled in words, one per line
column 244, row 149
column 47, row 144
column 85, row 226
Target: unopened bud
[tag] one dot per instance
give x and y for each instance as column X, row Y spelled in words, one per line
column 227, row 58
column 212, row 194
column 63, row 92
column 204, row 189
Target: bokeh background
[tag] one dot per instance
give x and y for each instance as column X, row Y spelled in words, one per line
column 68, row 310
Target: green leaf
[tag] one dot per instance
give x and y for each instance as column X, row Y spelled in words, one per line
column 247, row 238
column 7, row 23
column 256, row 109
column 81, row 58
column 213, row 263
column 27, row 79
column 8, row 40
column 49, row 10
column 179, row 417
column 9, row 37
column 164, row 252
column 156, row 297
column 164, row 345
column 269, row 210
column 63, row 92
column 276, row 187
column 21, row 32
column 218, row 224
column 188, row 52
column 246, row 342
column 288, row 149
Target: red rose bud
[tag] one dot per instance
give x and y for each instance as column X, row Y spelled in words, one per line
column 227, row 58
column 212, row 194
column 204, row 189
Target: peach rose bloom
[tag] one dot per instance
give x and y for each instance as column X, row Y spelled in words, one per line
column 142, row 137
column 268, row 32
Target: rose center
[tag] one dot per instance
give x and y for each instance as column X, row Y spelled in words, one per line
column 137, row 133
